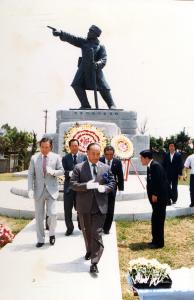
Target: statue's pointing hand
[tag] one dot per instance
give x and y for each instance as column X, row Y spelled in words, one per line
column 56, row 32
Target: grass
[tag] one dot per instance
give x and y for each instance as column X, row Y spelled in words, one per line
column 9, row 177
column 16, row 225
column 132, row 238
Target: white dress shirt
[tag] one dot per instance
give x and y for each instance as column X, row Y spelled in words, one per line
column 189, row 163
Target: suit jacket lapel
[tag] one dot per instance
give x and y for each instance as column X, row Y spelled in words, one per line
column 87, row 170
column 99, row 171
column 40, row 164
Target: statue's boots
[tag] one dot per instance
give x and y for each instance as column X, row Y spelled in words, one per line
column 106, row 95
column 81, row 94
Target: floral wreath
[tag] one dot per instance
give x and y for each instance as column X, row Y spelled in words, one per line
column 123, row 146
column 85, row 134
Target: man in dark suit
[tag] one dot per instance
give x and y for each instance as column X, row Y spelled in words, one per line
column 173, row 166
column 117, row 170
column 69, row 161
column 157, row 189
column 92, row 180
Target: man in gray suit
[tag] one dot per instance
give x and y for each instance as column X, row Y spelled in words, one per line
column 43, row 187
column 69, row 161
column 92, row 180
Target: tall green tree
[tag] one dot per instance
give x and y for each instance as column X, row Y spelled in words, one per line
column 21, row 143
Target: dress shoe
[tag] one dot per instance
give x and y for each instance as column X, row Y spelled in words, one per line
column 112, row 107
column 38, row 245
column 173, row 202
column 68, row 232
column 155, row 246
column 88, row 256
column 93, row 268
column 106, row 232
column 52, row 240
column 191, row 205
column 85, row 107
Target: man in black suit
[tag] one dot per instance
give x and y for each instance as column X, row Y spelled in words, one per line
column 173, row 166
column 69, row 161
column 92, row 187
column 157, row 190
column 117, row 170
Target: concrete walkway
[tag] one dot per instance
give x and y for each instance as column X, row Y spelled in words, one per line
column 132, row 204
column 57, row 272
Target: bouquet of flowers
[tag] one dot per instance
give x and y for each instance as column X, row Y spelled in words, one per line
column 149, row 273
column 6, row 236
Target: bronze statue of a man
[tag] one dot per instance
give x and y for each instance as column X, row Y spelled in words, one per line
column 89, row 75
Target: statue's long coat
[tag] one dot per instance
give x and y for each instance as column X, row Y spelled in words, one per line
column 84, row 76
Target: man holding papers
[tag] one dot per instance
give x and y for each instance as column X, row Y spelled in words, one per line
column 92, row 180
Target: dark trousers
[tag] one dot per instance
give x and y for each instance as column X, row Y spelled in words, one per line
column 69, row 203
column 82, row 96
column 91, row 225
column 192, row 188
column 173, row 188
column 110, row 211
column 157, row 223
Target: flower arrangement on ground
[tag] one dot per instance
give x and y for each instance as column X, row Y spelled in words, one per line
column 146, row 273
column 6, row 236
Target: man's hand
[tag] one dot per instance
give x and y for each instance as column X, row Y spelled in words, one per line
column 154, row 199
column 70, row 173
column 185, row 177
column 101, row 188
column 50, row 171
column 96, row 65
column 56, row 32
column 92, row 185
column 30, row 194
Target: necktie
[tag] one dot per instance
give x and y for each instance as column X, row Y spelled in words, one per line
column 75, row 159
column 94, row 170
column 44, row 165
column 109, row 162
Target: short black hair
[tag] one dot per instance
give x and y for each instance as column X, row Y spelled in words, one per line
column 73, row 140
column 46, row 139
column 109, row 148
column 146, row 153
column 172, row 143
column 92, row 144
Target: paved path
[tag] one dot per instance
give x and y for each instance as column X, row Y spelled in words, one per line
column 132, row 204
column 57, row 272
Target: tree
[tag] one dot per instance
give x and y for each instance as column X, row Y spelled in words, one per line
column 21, row 143
column 156, row 144
column 4, row 144
column 181, row 140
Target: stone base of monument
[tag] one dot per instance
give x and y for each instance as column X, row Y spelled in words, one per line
column 112, row 122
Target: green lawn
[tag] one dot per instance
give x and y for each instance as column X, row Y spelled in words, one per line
column 16, row 225
column 178, row 251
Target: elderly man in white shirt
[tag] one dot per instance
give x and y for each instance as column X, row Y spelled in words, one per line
column 189, row 164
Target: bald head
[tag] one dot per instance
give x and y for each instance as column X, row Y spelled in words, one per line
column 93, row 152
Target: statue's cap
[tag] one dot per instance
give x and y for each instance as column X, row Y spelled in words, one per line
column 146, row 153
column 96, row 29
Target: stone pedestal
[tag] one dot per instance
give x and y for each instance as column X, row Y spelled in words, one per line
column 125, row 120
column 112, row 122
